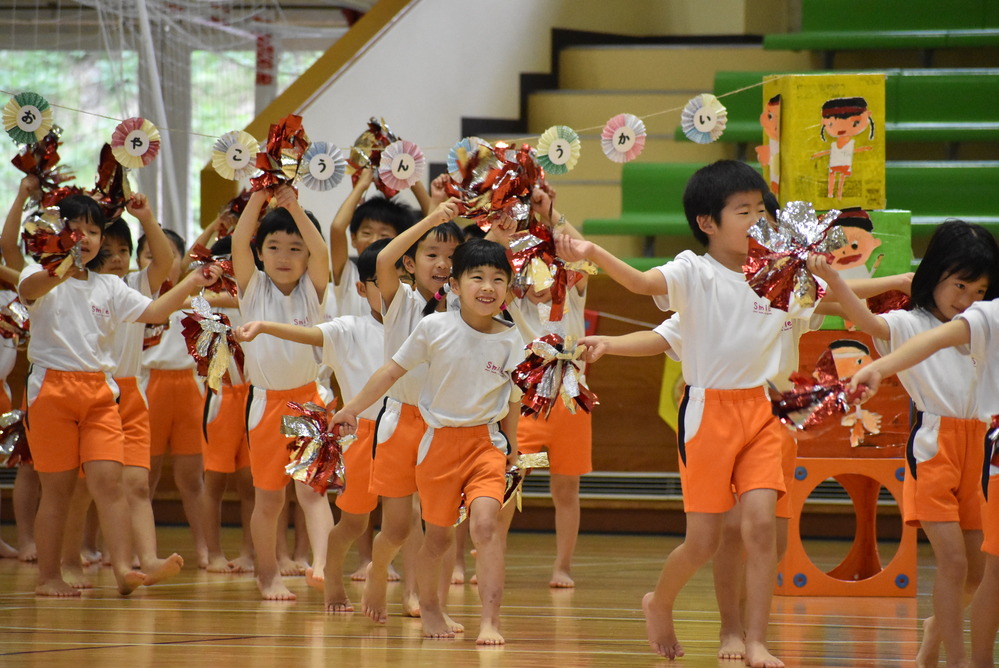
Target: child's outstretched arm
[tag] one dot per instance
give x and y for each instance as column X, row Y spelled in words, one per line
column 373, row 390
column 636, row 344
column 10, row 238
column 423, row 197
column 9, row 274
column 341, row 222
column 912, row 352
column 319, row 268
column 651, row 282
column 853, row 308
column 311, row 336
column 872, row 287
column 204, row 239
column 159, row 245
column 161, row 308
column 388, row 277
column 242, row 255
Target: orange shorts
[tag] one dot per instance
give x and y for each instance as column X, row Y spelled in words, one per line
column 356, row 496
column 729, row 440
column 397, row 440
column 134, row 421
column 943, row 481
column 788, row 459
column 269, row 452
column 72, row 419
column 567, row 437
column 177, row 403
column 990, row 518
column 225, row 429
column 459, row 461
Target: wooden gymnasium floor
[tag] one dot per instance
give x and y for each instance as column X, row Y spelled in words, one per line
column 202, row 619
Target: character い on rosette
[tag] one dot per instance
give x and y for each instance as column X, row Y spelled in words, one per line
column 282, row 156
column 775, row 268
column 367, row 152
column 202, row 259
column 14, row 321
column 494, row 181
column 814, row 401
column 514, row 481
column 51, row 243
column 316, row 452
column 532, row 256
column 13, row 440
column 211, row 342
column 111, row 189
column 41, row 159
column 552, row 371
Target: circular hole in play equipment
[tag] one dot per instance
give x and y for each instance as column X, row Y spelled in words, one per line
column 852, row 526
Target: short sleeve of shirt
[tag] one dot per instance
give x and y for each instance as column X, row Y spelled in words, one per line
column 983, row 321
column 894, row 320
column 415, row 350
column 129, row 304
column 670, row 330
column 334, row 341
column 678, row 274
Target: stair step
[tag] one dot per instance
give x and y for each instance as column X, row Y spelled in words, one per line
column 587, row 109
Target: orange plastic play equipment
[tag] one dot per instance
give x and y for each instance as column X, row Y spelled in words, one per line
column 861, row 572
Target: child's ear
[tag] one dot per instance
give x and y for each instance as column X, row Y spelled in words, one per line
column 362, row 288
column 454, row 285
column 409, row 264
column 707, row 224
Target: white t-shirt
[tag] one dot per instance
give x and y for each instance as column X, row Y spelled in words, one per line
column 468, row 374
column 401, row 318
column 983, row 319
column 533, row 319
column 126, row 347
column 732, row 335
column 8, row 347
column 273, row 363
column 354, row 347
column 170, row 353
column 348, row 302
column 944, row 384
column 72, row 325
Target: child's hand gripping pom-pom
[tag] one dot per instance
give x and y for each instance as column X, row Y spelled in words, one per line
column 317, row 451
column 42, row 160
column 51, row 243
column 203, row 259
column 282, row 155
column 211, row 343
column 552, row 370
column 14, row 321
column 775, row 268
column 514, row 481
column 495, row 180
column 366, row 153
column 815, row 400
column 535, row 265
column 13, row 440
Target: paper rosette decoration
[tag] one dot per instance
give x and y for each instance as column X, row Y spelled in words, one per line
column 282, row 155
column 13, row 440
column 316, row 452
column 775, row 267
column 234, row 155
column 814, row 401
column 623, row 138
column 42, row 160
column 203, row 258
column 51, row 242
column 402, row 165
column 532, row 256
column 135, row 142
column 558, row 149
column 551, row 371
column 367, row 152
column 14, row 321
column 703, row 119
column 323, row 166
column 514, row 481
column 495, row 180
column 211, row 343
column 111, row 189
column 459, row 153
column 27, row 117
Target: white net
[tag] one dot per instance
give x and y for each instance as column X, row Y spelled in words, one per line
column 196, row 69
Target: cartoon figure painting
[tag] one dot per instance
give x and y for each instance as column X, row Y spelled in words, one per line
column 851, row 259
column 850, row 356
column 769, row 154
column 843, row 118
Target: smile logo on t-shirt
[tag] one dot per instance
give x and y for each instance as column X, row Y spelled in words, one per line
column 492, row 368
column 100, row 312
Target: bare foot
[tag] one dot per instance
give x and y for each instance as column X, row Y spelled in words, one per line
column 373, row 599
column 219, row 564
column 453, row 625
column 274, row 590
column 59, row 588
column 315, row 580
column 73, row 575
column 757, row 656
column 435, row 626
column 393, row 575
column 458, row 574
column 733, row 647
column 410, row 604
column 361, row 574
column 131, row 581
column 289, row 568
column 929, row 649
column 242, row 564
column 163, row 569
column 90, row 556
column 659, row 628
column 489, row 635
column 6, row 551
column 561, row 580
column 474, row 580
column 203, row 559
column 27, row 552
